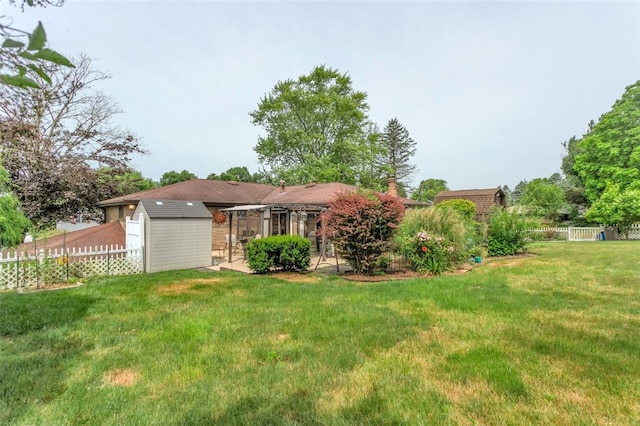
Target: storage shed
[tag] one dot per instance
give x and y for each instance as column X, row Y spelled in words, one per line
column 177, row 234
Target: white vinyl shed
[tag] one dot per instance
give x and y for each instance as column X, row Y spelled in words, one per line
column 177, row 234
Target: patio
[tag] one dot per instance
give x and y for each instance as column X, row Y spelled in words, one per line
column 238, row 264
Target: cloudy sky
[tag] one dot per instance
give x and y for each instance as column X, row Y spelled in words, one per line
column 488, row 90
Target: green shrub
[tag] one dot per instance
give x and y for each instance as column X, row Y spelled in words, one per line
column 466, row 208
column 434, row 239
column 508, row 233
column 286, row 252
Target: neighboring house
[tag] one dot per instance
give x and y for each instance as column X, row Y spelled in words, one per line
column 484, row 199
column 177, row 234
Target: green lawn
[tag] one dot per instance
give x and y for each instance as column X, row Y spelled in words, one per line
column 548, row 339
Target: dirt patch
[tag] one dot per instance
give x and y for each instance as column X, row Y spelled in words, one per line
column 188, row 286
column 122, row 378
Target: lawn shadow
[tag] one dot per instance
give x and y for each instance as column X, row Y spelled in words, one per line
column 295, row 408
column 25, row 313
column 36, row 348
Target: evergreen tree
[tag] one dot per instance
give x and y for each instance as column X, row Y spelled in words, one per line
column 398, row 150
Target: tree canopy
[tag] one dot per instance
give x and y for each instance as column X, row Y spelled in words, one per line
column 543, row 197
column 610, row 152
column 428, row 188
column 238, row 174
column 171, row 177
column 619, row 207
column 113, row 183
column 315, row 128
column 53, row 139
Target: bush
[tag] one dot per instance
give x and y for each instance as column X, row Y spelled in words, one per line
column 361, row 226
column 508, row 233
column 435, row 239
column 466, row 208
column 286, row 252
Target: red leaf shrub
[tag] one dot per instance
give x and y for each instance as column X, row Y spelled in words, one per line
column 361, row 226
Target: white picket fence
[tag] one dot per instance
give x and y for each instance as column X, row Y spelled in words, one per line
column 23, row 270
column 571, row 233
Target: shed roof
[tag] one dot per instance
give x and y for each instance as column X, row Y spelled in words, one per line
column 175, row 209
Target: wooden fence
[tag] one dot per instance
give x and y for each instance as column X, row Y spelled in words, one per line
column 23, row 270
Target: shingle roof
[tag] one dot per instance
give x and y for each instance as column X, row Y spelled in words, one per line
column 211, row 192
column 224, row 193
column 107, row 234
column 172, row 209
column 313, row 193
column 482, row 198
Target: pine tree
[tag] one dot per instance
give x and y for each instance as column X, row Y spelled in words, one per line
column 398, row 150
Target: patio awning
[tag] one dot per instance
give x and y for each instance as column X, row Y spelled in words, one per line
column 245, row 208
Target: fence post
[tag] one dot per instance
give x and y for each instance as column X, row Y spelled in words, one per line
column 17, row 271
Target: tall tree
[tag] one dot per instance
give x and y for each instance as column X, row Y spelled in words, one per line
column 610, row 152
column 23, row 53
column 517, row 191
column 399, row 148
column 428, row 189
column 171, row 177
column 314, row 128
column 370, row 175
column 54, row 138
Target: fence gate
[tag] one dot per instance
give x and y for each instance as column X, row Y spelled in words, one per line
column 135, row 232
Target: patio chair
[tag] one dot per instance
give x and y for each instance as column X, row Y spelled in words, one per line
column 243, row 245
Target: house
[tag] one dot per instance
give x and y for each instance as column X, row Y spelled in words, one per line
column 484, row 199
column 250, row 209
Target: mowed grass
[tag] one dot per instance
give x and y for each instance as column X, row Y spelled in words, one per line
column 552, row 338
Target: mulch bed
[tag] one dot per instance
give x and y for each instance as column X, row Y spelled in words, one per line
column 400, row 275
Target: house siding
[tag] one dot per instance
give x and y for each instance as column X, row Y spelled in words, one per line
column 111, row 214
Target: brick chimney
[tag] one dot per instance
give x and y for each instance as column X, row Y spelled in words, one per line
column 392, row 187
column 282, row 182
